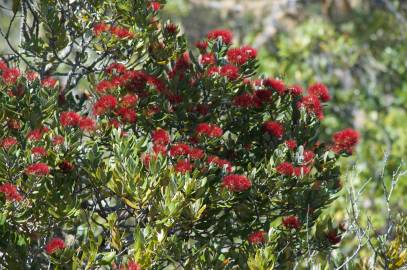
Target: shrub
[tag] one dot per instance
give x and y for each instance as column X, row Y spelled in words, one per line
column 170, row 158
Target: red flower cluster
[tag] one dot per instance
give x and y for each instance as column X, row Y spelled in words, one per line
column 10, row 191
column 345, row 141
column 73, row 119
column 179, row 149
column 117, row 31
column 333, row 237
column 154, row 5
column 10, row 75
column 104, row 104
column 131, row 265
column 229, row 71
column 236, row 183
column 54, row 245
column 245, row 101
column 127, row 115
column 37, row 134
column 221, row 163
column 128, row 101
column 274, row 128
column 312, row 105
column 183, row 166
column 291, row 144
column 161, row 137
column 208, row 59
column 256, row 238
column 39, row 151
column 210, row 130
column 224, row 34
column 240, row 56
column 38, row 169
column 49, row 82
column 288, row 169
column 276, row 85
column 292, row 222
column 320, row 91
column 8, row 142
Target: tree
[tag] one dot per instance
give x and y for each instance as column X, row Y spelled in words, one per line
column 171, row 157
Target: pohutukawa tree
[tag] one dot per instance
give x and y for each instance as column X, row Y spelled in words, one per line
column 122, row 147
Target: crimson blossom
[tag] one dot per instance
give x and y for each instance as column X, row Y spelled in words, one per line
column 54, row 245
column 256, row 238
column 10, row 191
column 236, row 183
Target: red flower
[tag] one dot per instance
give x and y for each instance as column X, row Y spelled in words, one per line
column 213, row 70
column 291, row 144
column 10, row 191
column 183, row 166
column 155, row 5
column 115, row 68
column 54, row 245
column 179, row 149
column 87, row 124
column 8, row 142
column 36, row 134
column 131, row 265
column 208, row 59
column 236, row 183
column 237, row 56
column 250, row 52
column 274, row 128
column 291, row 222
column 99, row 28
column 224, row 34
column 39, row 151
column 121, row 32
column 229, row 71
column 312, row 105
column 127, row 115
column 66, row 166
column 69, row 119
column 345, row 141
column 104, row 104
column 104, row 86
column 13, row 124
column 196, row 153
column 201, row 45
column 38, row 169
column 285, row 168
column 295, row 90
column 129, row 101
column 31, row 75
column 245, row 100
column 209, row 130
column 301, row 171
column 160, row 149
column 333, row 237
column 221, row 163
column 10, row 75
column 49, row 82
column 203, row 109
column 263, row 95
column 256, row 238
column 319, row 90
column 3, row 65
column 160, row 137
column 58, row 139
column 171, row 28
column 276, row 85
column 308, row 156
